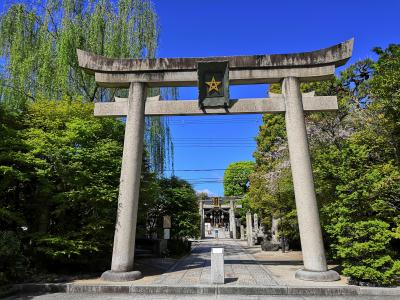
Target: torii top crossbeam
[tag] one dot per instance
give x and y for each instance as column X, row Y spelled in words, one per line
column 336, row 55
column 309, row 66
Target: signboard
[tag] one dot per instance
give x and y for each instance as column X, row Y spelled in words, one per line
column 213, row 84
column 167, row 234
column 215, row 201
column 167, row 222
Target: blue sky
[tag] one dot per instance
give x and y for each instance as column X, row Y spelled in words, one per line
column 212, row 28
column 232, row 27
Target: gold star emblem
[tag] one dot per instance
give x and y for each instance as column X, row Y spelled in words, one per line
column 213, row 85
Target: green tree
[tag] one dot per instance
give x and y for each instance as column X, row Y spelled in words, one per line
column 40, row 42
column 385, row 92
column 75, row 160
column 38, row 45
column 59, row 183
column 356, row 169
column 357, row 179
column 13, row 176
column 178, row 200
column 271, row 190
column 362, row 217
column 236, row 178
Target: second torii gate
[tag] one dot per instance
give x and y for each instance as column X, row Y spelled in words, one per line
column 288, row 69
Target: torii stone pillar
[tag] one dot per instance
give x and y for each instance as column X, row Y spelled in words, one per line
column 249, row 230
column 201, row 212
column 232, row 222
column 312, row 246
column 128, row 198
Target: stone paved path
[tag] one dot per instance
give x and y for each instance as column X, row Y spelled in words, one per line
column 240, row 266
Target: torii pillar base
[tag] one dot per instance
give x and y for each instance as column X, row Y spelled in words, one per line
column 121, row 276
column 329, row 275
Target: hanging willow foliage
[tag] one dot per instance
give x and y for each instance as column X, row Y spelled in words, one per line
column 38, row 43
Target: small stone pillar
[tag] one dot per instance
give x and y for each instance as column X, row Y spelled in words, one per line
column 167, row 224
column 128, row 198
column 217, row 266
column 249, row 230
column 242, row 232
column 255, row 223
column 232, row 221
column 201, row 212
column 315, row 267
column 274, row 230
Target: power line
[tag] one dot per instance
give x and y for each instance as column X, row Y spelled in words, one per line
column 214, row 122
column 215, row 118
column 231, row 147
column 214, row 138
column 200, row 183
column 205, row 181
column 214, row 142
column 196, row 170
column 212, row 146
column 204, row 178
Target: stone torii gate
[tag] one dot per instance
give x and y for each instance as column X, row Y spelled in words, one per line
column 288, row 69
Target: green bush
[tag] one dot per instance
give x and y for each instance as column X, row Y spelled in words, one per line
column 13, row 264
column 363, row 247
column 178, row 246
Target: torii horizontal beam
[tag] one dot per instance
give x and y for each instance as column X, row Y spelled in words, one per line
column 189, row 78
column 275, row 104
column 336, row 55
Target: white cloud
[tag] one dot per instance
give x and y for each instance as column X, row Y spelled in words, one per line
column 206, row 191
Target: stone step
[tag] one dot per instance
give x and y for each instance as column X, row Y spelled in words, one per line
column 144, row 253
column 131, row 288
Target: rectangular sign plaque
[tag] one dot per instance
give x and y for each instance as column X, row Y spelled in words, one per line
column 167, row 222
column 213, row 84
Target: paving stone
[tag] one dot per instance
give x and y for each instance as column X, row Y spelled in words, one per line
column 240, row 267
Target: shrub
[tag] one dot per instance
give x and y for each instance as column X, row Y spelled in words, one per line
column 363, row 247
column 13, row 264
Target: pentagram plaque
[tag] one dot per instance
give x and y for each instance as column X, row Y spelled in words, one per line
column 213, row 84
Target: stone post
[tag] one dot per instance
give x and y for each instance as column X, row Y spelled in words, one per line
column 249, row 230
column 125, row 228
column 315, row 267
column 242, row 232
column 274, row 230
column 217, row 266
column 201, row 212
column 232, row 220
column 255, row 223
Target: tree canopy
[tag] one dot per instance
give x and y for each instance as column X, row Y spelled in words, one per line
column 236, row 178
column 356, row 169
column 59, row 165
column 38, row 44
